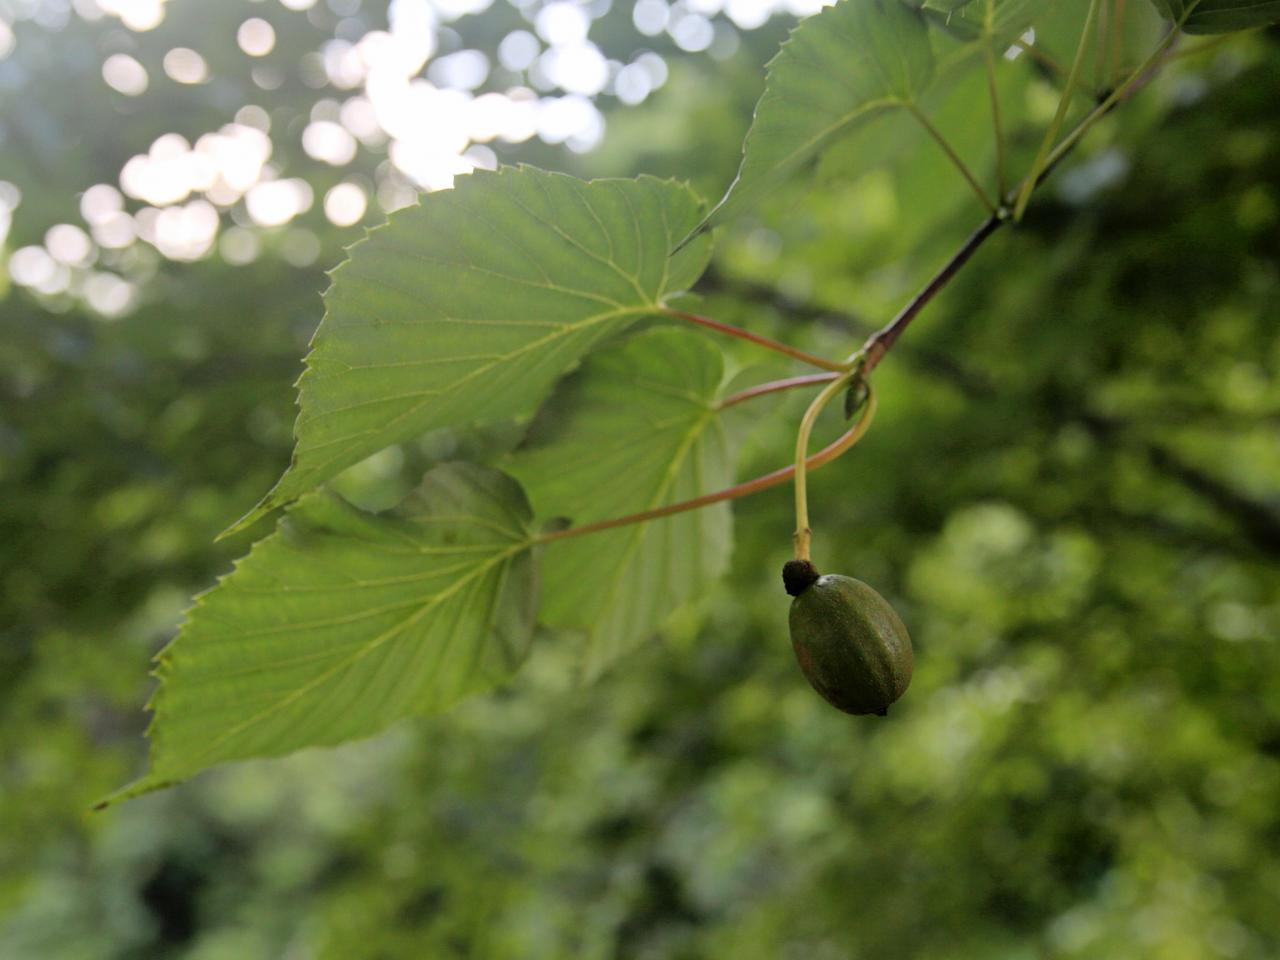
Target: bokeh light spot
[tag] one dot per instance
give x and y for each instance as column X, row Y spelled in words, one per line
column 68, row 244
column 329, row 142
column 256, row 37
column 518, row 50
column 276, row 202
column 124, row 74
column 345, row 204
column 184, row 65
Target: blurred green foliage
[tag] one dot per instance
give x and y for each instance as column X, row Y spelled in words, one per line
column 1071, row 494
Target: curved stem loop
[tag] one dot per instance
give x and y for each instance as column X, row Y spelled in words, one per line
column 803, row 535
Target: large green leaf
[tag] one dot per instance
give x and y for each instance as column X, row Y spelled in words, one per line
column 1219, row 16
column 342, row 622
column 839, row 69
column 637, row 429
column 468, row 306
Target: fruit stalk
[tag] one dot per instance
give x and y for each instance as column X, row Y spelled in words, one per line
column 802, row 536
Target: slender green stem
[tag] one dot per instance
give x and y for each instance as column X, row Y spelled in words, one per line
column 757, row 339
column 1113, row 98
column 765, row 482
column 1064, row 103
column 803, row 534
column 774, row 386
column 959, row 164
column 990, row 61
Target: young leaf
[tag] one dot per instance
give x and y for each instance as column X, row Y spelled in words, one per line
column 1219, row 16
column 838, row 70
column 637, row 429
column 466, row 307
column 342, row 622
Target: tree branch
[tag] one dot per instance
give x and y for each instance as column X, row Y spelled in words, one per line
column 1256, row 522
column 880, row 342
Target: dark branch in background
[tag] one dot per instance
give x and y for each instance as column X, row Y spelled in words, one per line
column 1257, row 523
column 714, row 281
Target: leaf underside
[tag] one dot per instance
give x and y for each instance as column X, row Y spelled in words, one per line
column 466, row 307
column 635, row 430
column 343, row 622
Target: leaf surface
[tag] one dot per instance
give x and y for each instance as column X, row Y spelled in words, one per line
column 342, row 622
column 466, row 308
column 637, row 429
column 839, row 69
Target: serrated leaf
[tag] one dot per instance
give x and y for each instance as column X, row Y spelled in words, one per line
column 635, row 430
column 342, row 622
column 1219, row 16
column 839, row 69
column 468, row 306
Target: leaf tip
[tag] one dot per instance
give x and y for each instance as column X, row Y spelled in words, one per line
column 705, row 225
column 143, row 785
column 263, row 507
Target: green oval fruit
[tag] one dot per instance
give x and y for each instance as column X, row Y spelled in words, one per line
column 851, row 645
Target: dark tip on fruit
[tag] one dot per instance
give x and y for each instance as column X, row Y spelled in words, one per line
column 882, row 713
column 798, row 576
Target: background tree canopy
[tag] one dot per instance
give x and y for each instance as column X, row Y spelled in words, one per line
column 1071, row 493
